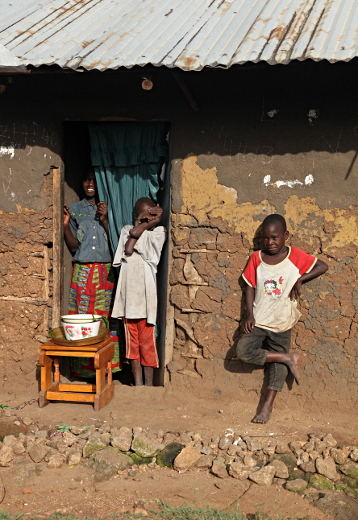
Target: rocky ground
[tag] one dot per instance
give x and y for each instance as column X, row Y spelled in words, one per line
column 149, row 445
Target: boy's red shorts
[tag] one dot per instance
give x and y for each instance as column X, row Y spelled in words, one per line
column 140, row 342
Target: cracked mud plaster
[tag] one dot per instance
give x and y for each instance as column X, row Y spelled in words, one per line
column 204, row 197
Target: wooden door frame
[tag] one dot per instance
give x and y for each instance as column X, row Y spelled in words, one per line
column 57, row 241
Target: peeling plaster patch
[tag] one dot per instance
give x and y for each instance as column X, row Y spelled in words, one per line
column 312, row 114
column 272, row 113
column 7, row 150
column 309, row 179
column 303, row 214
column 203, row 196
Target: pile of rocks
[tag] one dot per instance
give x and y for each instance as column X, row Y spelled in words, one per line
column 317, row 462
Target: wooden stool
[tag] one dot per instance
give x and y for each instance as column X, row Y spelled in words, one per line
column 53, row 390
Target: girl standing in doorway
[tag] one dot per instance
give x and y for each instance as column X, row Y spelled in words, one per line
column 93, row 277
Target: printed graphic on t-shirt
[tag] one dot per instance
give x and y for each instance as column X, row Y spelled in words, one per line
column 273, row 288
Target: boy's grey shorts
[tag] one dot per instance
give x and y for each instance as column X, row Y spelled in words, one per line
column 249, row 349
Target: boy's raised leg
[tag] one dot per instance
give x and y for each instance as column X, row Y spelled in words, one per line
column 137, row 372
column 291, row 360
column 148, row 376
column 264, row 415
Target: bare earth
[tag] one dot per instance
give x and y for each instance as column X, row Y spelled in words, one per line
column 70, row 490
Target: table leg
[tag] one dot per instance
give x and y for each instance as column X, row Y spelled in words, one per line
column 109, row 371
column 56, row 376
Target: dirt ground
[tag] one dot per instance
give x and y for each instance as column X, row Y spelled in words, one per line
column 70, row 490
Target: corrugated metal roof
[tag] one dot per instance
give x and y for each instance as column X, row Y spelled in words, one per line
column 10, row 63
column 189, row 34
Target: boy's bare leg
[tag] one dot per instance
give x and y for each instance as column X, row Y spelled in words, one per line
column 137, row 372
column 148, row 376
column 291, row 360
column 263, row 416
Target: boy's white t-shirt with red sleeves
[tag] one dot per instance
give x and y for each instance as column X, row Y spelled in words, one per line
column 273, row 309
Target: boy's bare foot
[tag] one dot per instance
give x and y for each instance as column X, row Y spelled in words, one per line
column 292, row 365
column 263, row 416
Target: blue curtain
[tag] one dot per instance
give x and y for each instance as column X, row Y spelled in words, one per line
column 127, row 158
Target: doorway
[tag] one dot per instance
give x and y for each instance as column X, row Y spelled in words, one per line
column 77, row 158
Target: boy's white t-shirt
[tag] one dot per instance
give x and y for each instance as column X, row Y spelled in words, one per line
column 273, row 309
column 136, row 294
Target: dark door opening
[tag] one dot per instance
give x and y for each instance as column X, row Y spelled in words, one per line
column 77, row 158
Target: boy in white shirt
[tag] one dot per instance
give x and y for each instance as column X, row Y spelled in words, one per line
column 274, row 277
column 138, row 254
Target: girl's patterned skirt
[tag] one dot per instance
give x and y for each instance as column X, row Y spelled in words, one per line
column 91, row 292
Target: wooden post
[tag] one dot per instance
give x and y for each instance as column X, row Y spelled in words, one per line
column 57, row 270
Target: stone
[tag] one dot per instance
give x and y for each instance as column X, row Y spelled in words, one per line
column 219, row 469
column 18, row 448
column 281, row 470
column 314, row 455
column 69, row 438
column 350, row 469
column 253, row 444
column 206, row 450
column 145, row 447
column 166, row 457
column 37, row 452
column 27, row 421
column 264, row 476
column 339, row 456
column 353, row 455
column 74, row 458
column 320, row 482
column 337, row 505
column 326, row 467
column 282, row 447
column 41, row 434
column 295, row 445
column 76, row 430
column 186, row 458
column 94, row 443
column 320, row 446
column 308, row 467
column 205, row 462
column 297, row 485
column 121, row 438
column 55, row 461
column 108, row 462
column 330, row 440
column 9, row 440
column 26, row 491
column 25, row 472
column 239, row 470
column 225, row 442
column 249, row 461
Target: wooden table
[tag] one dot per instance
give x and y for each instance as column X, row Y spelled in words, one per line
column 51, row 388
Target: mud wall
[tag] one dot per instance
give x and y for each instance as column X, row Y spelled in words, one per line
column 267, row 139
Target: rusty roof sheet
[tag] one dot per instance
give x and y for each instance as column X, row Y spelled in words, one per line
column 191, row 35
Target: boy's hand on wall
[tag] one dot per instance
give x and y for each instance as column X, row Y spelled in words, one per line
column 249, row 324
column 296, row 290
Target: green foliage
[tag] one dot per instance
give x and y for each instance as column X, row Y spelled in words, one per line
column 63, row 427
column 4, row 406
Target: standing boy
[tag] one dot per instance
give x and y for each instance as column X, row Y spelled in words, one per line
column 138, row 254
column 274, row 277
